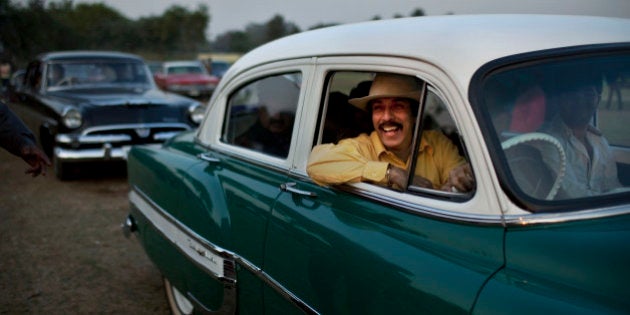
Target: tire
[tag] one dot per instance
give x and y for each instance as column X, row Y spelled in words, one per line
column 65, row 171
column 61, row 169
column 179, row 303
column 47, row 141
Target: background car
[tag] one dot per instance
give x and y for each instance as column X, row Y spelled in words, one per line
column 218, row 68
column 154, row 67
column 91, row 106
column 189, row 78
column 231, row 218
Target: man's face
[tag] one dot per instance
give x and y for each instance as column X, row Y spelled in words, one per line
column 578, row 106
column 393, row 121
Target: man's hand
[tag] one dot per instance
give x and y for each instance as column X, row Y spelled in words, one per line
column 460, row 179
column 36, row 158
column 398, row 178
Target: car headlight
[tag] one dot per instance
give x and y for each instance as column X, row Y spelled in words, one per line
column 196, row 112
column 72, row 118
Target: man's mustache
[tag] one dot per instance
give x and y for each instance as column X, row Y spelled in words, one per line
column 390, row 123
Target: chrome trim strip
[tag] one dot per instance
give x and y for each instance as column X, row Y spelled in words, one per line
column 284, row 292
column 561, row 217
column 165, row 224
column 105, row 153
column 87, row 131
column 209, row 257
column 113, row 138
column 83, row 139
column 417, row 209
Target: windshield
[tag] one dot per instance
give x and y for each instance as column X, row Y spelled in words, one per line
column 560, row 126
column 188, row 69
column 95, row 73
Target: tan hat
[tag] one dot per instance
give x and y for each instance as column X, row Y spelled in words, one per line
column 389, row 85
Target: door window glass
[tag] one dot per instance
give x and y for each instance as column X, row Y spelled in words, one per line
column 261, row 114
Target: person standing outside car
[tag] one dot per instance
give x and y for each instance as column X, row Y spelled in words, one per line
column 383, row 157
column 6, row 69
column 591, row 167
column 16, row 138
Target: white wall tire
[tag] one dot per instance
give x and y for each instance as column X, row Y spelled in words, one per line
column 179, row 303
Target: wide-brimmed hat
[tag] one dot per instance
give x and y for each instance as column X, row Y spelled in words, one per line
column 389, row 85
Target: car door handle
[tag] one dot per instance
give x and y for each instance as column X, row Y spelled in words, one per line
column 207, row 156
column 290, row 187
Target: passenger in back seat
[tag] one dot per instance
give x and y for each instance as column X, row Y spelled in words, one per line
column 591, row 167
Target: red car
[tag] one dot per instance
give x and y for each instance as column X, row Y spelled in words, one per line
column 189, row 78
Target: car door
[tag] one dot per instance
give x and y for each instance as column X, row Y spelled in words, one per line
column 366, row 249
column 247, row 166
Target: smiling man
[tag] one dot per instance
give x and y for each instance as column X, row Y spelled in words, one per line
column 383, row 157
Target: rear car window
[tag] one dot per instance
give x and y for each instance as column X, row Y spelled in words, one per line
column 261, row 114
column 560, row 126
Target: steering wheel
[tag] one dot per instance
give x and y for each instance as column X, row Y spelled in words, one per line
column 66, row 81
column 538, row 136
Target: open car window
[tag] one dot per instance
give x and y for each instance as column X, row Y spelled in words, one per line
column 560, row 127
column 439, row 140
column 436, row 146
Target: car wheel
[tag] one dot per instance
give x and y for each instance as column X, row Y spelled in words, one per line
column 60, row 169
column 180, row 305
column 64, row 171
column 47, row 140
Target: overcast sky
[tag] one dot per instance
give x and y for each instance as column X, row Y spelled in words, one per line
column 236, row 14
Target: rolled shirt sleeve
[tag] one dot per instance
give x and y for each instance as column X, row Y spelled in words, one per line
column 349, row 161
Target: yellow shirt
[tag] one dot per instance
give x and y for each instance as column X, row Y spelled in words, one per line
column 364, row 158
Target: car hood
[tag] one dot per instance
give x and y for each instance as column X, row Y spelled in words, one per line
column 117, row 96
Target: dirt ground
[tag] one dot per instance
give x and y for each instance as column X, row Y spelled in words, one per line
column 62, row 250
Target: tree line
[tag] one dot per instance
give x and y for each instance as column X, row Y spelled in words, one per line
column 27, row 29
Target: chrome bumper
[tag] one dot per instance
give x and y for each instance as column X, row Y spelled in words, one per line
column 105, row 153
column 68, row 148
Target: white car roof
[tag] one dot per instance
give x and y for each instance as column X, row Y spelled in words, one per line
column 459, row 44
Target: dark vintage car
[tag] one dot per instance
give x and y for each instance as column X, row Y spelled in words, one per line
column 189, row 78
column 90, row 106
column 235, row 224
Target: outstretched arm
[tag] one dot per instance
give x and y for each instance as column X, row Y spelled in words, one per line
column 346, row 162
column 18, row 140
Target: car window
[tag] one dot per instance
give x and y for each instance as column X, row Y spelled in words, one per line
column 436, row 148
column 261, row 114
column 438, row 131
column 94, row 72
column 560, row 127
column 33, row 75
column 614, row 108
column 185, row 70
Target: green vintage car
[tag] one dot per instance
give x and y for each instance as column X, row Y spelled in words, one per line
column 234, row 223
